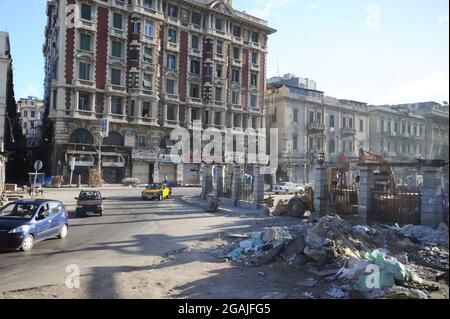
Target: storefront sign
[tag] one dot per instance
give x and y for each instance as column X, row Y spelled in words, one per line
column 130, row 139
column 146, row 155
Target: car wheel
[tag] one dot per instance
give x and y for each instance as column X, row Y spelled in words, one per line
column 63, row 232
column 101, row 214
column 160, row 197
column 27, row 243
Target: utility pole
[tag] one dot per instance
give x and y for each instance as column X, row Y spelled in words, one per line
column 100, row 140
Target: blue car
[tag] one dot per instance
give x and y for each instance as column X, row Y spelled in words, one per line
column 25, row 222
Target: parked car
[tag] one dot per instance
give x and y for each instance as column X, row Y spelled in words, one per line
column 157, row 191
column 286, row 188
column 25, row 222
column 89, row 202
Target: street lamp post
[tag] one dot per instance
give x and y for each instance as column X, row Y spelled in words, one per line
column 100, row 141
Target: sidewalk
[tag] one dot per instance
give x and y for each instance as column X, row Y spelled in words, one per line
column 224, row 208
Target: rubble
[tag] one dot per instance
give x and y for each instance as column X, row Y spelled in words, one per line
column 348, row 256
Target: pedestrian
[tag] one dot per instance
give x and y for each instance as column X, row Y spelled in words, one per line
column 166, row 180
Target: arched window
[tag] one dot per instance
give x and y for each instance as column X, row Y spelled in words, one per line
column 114, row 139
column 81, row 136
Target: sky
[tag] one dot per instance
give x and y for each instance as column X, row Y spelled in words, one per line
column 379, row 52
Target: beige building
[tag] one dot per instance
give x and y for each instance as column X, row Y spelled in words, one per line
column 309, row 122
column 148, row 67
column 31, row 113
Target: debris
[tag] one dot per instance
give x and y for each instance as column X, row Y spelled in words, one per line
column 310, row 282
column 335, row 293
column 262, row 274
column 275, row 234
column 308, row 295
column 404, row 293
column 361, row 229
column 425, row 234
column 318, row 255
column 271, row 254
column 323, row 273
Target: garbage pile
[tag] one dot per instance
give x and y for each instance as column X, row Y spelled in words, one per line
column 363, row 261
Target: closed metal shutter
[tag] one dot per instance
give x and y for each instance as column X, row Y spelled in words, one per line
column 141, row 171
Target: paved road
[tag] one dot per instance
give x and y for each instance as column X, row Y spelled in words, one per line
column 130, row 233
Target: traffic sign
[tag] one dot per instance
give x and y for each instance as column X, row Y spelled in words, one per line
column 38, row 165
column 72, row 163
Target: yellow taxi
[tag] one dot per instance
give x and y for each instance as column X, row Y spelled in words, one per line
column 157, row 191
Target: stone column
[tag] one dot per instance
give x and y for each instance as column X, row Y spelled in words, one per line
column 320, row 189
column 432, row 206
column 207, row 180
column 235, row 184
column 366, row 184
column 156, row 172
column 218, row 179
column 258, row 186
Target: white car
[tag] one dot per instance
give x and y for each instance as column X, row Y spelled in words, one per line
column 286, row 188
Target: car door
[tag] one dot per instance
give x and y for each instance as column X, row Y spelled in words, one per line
column 43, row 222
column 56, row 219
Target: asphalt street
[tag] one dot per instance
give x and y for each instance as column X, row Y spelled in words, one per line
column 131, row 232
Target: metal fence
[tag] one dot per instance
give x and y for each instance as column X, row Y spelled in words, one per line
column 343, row 200
column 228, row 182
column 246, row 188
column 402, row 207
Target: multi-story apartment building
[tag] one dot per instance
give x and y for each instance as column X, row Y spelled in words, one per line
column 148, row 66
column 309, row 122
column 31, row 112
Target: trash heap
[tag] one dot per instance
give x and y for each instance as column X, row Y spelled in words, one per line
column 358, row 260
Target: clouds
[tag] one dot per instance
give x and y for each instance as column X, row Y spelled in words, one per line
column 266, row 6
column 433, row 87
column 29, row 90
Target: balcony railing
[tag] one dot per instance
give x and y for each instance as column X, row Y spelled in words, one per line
column 316, row 127
column 348, row 131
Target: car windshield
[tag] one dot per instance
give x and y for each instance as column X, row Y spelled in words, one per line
column 18, row 211
column 89, row 195
column 154, row 186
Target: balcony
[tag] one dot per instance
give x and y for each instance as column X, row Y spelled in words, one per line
column 237, row 107
column 118, row 33
column 147, row 11
column 149, row 39
column 88, row 25
column 195, row 27
column 120, row 4
column 346, row 131
column 254, row 67
column 116, row 88
column 194, row 101
column 171, row 97
column 173, row 46
column 84, row 83
column 316, row 127
column 237, row 62
column 196, row 52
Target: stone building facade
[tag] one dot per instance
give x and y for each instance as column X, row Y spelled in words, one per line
column 148, row 67
column 31, row 113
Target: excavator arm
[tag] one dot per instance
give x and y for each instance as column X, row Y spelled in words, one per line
column 369, row 157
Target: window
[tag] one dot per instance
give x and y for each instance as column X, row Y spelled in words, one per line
column 170, row 86
column 148, row 54
column 132, row 108
column 85, row 42
column 206, row 118
column 218, row 95
column 236, row 120
column 235, row 76
column 409, row 128
column 84, row 101
column 254, row 79
column 396, row 127
column 311, row 117
column 254, row 122
column 148, row 25
column 85, row 71
column 219, row 70
column 255, row 37
column 219, row 47
column 196, row 18
column 86, row 12
column 171, row 61
column 237, row 31
column 361, row 125
column 344, row 122
column 295, row 115
column 148, row 79
column 253, row 100
column 350, row 122
column 415, row 130
column 172, row 11
column 116, row 49
column 255, row 57
column 332, row 121
column 25, row 113
column 219, row 24
column 195, row 66
column 195, row 91
column 420, row 131
column 116, row 105
column 217, row 118
column 236, row 53
column 195, row 42
column 295, row 142
column 172, row 113
column 116, row 77
column 134, row 53
column 318, row 117
column 135, row 27
column 146, row 110
column 403, row 128
column 195, row 115
column 148, row 4
column 332, row 147
column 235, row 98
column 117, row 21
column 141, row 141
column 33, row 114
column 173, row 35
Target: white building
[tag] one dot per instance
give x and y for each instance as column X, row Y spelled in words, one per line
column 31, row 112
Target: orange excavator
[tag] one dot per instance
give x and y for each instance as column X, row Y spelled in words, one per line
column 385, row 170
